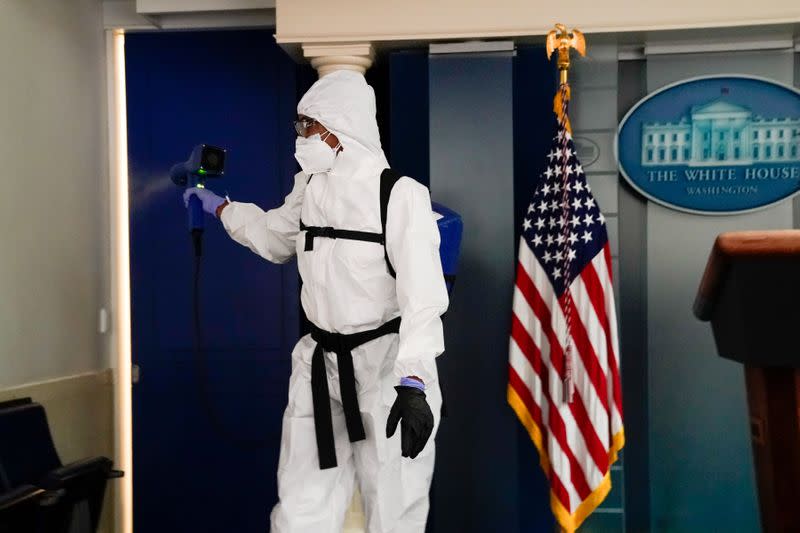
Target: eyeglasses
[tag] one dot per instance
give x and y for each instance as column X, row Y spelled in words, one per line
column 302, row 126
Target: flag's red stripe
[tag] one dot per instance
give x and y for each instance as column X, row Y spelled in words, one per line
column 597, row 296
column 586, row 352
column 542, row 311
column 593, row 443
column 576, row 473
column 616, row 380
column 532, row 353
column 607, row 256
column 559, row 490
column 524, row 393
column 617, row 387
column 540, row 308
column 597, row 449
column 556, row 424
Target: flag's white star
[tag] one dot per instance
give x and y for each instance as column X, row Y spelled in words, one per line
column 558, row 153
column 572, row 237
column 560, row 134
column 548, row 172
column 551, row 155
column 568, row 153
column 578, row 169
column 587, row 236
column 554, row 205
column 550, row 240
column 559, row 255
column 557, row 273
column 588, row 220
column 543, row 206
column 601, row 219
column 568, row 135
column 571, row 254
column 562, row 222
column 546, row 189
column 576, row 220
column 539, row 223
column 526, row 225
column 531, row 208
column 558, row 171
column 537, row 240
column 560, row 239
column 589, row 202
column 570, row 171
column 556, row 187
column 551, row 222
column 547, row 257
column 579, row 186
column 576, row 203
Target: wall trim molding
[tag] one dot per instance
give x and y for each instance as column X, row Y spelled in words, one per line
column 103, row 377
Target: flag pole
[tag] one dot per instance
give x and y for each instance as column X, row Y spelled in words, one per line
column 562, row 40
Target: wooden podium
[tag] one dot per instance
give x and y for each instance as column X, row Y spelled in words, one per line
column 750, row 292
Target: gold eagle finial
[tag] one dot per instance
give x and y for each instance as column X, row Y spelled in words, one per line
column 562, row 40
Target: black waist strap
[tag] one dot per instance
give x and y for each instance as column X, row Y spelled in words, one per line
column 333, row 233
column 341, row 345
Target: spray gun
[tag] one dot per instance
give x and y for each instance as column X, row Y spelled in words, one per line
column 206, row 161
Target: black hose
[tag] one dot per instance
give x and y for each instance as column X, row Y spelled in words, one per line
column 201, row 367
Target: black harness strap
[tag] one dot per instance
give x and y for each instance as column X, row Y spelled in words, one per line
column 332, row 233
column 388, row 178
column 341, row 345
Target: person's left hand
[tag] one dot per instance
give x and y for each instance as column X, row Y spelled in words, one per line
column 413, row 410
column 209, row 200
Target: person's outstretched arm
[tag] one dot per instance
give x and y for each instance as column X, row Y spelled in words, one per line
column 271, row 234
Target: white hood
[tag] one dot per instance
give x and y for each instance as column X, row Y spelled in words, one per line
column 344, row 103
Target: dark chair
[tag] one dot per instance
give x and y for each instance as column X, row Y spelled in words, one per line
column 19, row 509
column 28, row 457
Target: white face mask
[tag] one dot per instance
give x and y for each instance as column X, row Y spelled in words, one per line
column 314, row 154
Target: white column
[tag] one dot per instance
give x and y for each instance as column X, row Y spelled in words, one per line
column 327, row 58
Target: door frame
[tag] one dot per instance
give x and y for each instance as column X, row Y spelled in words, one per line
column 119, row 252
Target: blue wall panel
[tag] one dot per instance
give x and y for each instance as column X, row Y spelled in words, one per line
column 471, row 153
column 236, row 90
column 478, row 126
column 535, row 83
column 409, row 143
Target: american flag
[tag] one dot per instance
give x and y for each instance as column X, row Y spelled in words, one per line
column 564, row 381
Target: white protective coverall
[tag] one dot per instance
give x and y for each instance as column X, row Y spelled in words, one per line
column 346, row 289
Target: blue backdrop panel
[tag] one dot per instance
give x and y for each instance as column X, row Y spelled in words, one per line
column 235, row 90
column 471, row 156
column 408, row 114
column 487, row 476
column 535, row 82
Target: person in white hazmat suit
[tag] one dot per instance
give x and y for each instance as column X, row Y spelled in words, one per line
column 369, row 362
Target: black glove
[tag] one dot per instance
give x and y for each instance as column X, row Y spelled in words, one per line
column 417, row 426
